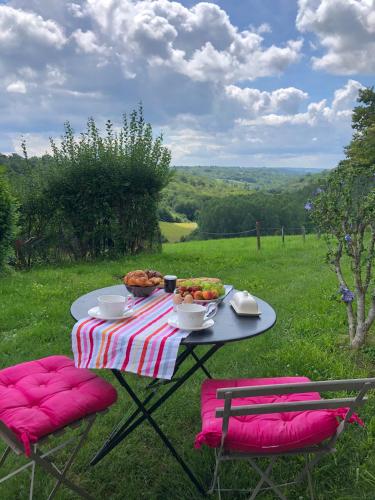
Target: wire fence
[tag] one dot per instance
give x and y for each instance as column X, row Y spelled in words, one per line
column 257, row 231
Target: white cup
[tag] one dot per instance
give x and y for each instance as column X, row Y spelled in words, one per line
column 194, row 315
column 114, row 305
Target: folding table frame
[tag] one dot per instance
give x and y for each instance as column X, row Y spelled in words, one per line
column 42, row 458
column 312, row 454
column 146, row 407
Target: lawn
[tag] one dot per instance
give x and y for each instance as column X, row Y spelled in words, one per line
column 173, row 231
column 35, row 322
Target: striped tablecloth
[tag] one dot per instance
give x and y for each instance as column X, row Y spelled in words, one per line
column 144, row 344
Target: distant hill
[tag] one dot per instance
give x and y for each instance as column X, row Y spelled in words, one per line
column 268, row 179
column 193, row 188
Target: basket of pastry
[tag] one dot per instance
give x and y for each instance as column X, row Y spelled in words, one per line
column 143, row 283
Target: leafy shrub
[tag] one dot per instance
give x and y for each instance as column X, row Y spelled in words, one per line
column 7, row 222
column 99, row 195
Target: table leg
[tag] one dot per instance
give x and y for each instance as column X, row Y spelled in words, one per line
column 161, row 434
column 147, row 412
column 154, row 386
column 202, row 366
column 121, row 427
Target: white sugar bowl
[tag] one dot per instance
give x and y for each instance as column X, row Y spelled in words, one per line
column 244, row 304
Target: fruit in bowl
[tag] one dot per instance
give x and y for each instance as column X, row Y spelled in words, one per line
column 200, row 290
column 142, row 283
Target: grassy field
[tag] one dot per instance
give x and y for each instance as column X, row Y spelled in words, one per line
column 173, row 231
column 35, row 322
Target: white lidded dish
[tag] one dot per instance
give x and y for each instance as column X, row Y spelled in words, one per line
column 244, row 304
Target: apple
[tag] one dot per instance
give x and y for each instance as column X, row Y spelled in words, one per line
column 198, row 295
column 207, row 295
column 215, row 295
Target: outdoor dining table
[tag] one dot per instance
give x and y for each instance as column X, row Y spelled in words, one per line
column 229, row 327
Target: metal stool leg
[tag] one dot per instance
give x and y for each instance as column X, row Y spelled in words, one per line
column 5, row 455
column 31, row 492
column 262, row 480
column 216, row 471
column 309, row 480
column 267, row 480
column 84, row 434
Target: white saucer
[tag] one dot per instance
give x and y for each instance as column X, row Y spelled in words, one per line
column 94, row 312
column 173, row 321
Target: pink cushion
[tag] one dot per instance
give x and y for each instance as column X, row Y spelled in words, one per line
column 40, row 397
column 275, row 432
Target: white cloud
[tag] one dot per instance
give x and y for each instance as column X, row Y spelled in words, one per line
column 54, row 75
column 345, row 29
column 87, row 42
column 186, row 142
column 19, row 28
column 199, row 42
column 287, row 100
column 316, row 113
column 17, row 87
column 75, row 9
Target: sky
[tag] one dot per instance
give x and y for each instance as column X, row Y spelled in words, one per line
column 258, row 83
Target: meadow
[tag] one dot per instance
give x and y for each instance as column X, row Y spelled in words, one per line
column 307, row 340
column 173, row 231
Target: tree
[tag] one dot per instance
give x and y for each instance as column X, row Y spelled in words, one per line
column 345, row 212
column 8, row 219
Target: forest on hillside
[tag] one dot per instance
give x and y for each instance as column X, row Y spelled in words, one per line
column 223, row 205
column 219, row 199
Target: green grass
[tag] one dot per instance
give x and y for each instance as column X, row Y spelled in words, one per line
column 35, row 322
column 173, row 231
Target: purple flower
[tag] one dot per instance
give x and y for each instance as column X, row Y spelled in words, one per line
column 348, row 238
column 308, row 206
column 347, row 295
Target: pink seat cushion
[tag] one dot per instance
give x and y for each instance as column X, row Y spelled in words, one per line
column 40, row 397
column 275, row 432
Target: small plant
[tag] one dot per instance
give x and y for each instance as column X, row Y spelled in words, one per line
column 345, row 212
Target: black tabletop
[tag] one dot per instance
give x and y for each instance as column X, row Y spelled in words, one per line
column 229, row 327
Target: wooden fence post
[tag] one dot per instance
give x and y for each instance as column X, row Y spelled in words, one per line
column 303, row 234
column 282, row 234
column 257, row 224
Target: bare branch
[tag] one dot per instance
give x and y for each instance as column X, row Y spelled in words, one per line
column 342, row 281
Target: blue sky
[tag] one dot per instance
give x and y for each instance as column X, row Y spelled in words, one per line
column 249, row 83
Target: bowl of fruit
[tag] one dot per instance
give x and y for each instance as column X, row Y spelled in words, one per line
column 199, row 291
column 142, row 283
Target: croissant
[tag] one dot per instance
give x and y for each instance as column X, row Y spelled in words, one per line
column 143, row 278
column 155, row 280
